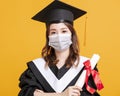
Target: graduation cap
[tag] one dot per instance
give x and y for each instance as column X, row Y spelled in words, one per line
column 58, row 11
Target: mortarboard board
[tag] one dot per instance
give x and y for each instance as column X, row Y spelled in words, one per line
column 58, row 11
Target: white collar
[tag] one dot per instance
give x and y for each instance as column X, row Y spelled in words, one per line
column 58, row 84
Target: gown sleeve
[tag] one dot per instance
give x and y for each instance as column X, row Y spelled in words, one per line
column 91, row 84
column 28, row 83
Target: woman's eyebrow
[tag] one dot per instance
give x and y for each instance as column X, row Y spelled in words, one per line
column 63, row 28
column 52, row 29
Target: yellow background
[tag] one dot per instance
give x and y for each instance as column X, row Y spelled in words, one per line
column 21, row 39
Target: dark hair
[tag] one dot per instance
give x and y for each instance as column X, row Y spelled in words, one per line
column 48, row 53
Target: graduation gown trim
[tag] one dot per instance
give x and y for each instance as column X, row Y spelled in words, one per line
column 58, row 85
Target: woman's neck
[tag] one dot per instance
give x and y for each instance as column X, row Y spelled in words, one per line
column 62, row 56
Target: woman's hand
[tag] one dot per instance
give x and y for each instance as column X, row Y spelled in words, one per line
column 73, row 91
column 37, row 92
column 70, row 91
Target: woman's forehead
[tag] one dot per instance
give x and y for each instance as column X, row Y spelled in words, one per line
column 58, row 25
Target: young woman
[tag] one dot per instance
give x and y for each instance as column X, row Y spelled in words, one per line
column 56, row 72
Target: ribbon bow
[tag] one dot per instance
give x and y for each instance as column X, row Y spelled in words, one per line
column 95, row 76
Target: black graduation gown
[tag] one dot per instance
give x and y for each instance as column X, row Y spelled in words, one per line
column 51, row 79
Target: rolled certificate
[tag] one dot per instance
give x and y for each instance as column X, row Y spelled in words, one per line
column 81, row 80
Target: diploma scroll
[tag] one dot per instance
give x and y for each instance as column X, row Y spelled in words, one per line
column 81, row 80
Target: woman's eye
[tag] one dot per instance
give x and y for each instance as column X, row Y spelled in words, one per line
column 64, row 31
column 52, row 32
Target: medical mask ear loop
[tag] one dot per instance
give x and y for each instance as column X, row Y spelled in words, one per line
column 49, row 50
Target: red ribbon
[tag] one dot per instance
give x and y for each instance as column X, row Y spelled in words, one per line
column 95, row 76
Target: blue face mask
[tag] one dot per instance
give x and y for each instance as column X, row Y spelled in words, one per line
column 60, row 42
